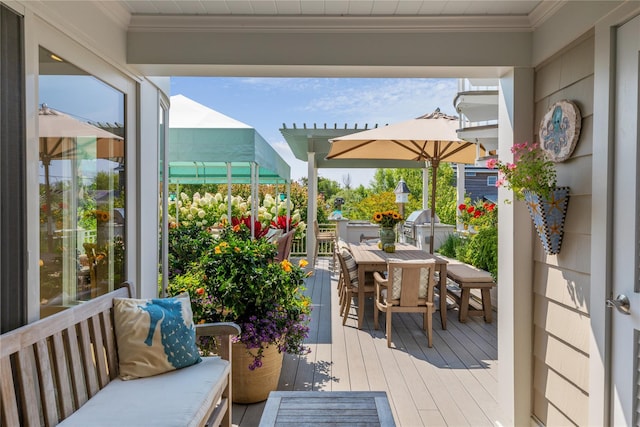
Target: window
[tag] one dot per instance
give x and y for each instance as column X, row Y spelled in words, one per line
column 491, row 181
column 81, row 185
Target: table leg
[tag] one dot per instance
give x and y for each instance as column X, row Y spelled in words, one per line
column 443, row 295
column 360, row 297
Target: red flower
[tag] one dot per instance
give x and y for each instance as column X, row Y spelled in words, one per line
column 462, row 207
column 258, row 230
column 281, row 222
column 470, row 209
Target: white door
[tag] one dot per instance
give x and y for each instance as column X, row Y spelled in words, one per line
column 625, row 403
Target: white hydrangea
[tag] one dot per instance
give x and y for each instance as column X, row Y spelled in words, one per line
column 201, row 213
column 190, row 217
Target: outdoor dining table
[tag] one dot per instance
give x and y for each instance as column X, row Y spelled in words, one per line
column 369, row 257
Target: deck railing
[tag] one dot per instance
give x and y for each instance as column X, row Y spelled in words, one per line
column 299, row 245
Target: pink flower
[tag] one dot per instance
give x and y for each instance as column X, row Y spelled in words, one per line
column 491, row 163
column 500, row 182
column 511, row 166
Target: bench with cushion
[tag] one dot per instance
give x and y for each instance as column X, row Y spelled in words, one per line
column 66, row 369
column 467, row 278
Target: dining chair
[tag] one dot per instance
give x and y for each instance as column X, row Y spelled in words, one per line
column 284, row 245
column 350, row 284
column 407, row 288
column 324, row 237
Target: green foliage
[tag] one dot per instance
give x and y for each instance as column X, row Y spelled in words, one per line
column 450, row 246
column 376, row 202
column 387, row 180
column 327, row 187
column 479, row 250
column 235, row 279
column 446, row 194
column 186, row 246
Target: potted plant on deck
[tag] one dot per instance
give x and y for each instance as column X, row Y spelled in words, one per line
column 532, row 178
column 235, row 279
column 388, row 221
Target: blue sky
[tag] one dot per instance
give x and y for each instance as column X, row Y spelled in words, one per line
column 268, row 103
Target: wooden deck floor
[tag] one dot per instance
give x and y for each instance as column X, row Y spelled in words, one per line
column 454, row 383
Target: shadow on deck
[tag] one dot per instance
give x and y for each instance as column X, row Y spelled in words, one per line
column 453, row 383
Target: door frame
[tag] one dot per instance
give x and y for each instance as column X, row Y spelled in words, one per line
column 601, row 212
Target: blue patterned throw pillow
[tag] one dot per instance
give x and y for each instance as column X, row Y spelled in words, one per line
column 154, row 335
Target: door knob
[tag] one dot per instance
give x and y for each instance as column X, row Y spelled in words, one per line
column 621, row 303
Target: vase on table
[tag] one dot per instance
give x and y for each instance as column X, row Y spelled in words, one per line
column 387, row 236
column 548, row 215
column 252, row 386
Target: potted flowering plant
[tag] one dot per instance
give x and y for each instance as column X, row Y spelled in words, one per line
column 532, row 177
column 235, row 280
column 466, row 213
column 478, row 214
column 532, row 171
column 387, row 219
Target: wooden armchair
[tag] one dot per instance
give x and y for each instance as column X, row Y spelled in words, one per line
column 323, row 236
column 284, row 243
column 348, row 282
column 408, row 288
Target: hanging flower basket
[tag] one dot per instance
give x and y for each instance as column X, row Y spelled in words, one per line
column 548, row 215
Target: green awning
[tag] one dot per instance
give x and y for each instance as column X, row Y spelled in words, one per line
column 202, row 142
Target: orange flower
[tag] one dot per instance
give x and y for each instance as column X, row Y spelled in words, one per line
column 200, row 291
column 217, row 250
column 237, row 249
column 236, row 228
column 286, row 265
column 303, row 263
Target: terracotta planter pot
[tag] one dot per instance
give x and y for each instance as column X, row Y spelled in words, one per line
column 254, row 386
column 548, row 217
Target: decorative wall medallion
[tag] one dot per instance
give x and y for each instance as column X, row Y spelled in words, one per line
column 560, row 130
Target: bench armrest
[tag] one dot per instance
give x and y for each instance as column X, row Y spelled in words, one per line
column 224, row 331
column 217, row 329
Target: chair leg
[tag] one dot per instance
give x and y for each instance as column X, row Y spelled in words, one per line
column 428, row 317
column 389, row 313
column 376, row 314
column 349, row 296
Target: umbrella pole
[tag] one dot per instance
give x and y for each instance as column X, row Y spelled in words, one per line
column 47, row 198
column 434, row 173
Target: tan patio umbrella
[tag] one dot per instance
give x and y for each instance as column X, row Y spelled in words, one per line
column 431, row 138
column 62, row 137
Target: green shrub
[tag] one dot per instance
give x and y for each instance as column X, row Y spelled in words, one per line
column 479, row 250
column 449, row 247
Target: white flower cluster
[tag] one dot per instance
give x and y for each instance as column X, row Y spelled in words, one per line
column 211, row 210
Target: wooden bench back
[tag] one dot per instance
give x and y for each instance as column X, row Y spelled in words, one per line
column 51, row 367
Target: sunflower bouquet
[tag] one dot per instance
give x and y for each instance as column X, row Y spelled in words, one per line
column 387, row 218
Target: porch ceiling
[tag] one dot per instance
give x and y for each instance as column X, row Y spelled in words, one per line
column 337, row 8
column 331, row 38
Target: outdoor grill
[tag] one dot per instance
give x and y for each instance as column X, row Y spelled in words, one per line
column 420, row 217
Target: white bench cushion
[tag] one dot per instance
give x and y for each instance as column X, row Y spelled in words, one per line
column 176, row 398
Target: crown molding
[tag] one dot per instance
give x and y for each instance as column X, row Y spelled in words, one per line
column 544, row 11
column 118, row 13
column 319, row 24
